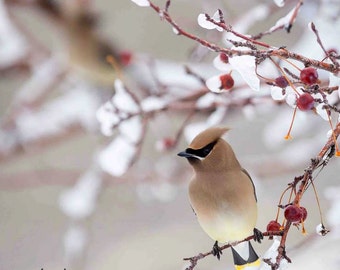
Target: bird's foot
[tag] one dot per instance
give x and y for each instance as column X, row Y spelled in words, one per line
column 258, row 235
column 217, row 251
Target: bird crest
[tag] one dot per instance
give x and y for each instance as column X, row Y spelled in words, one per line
column 208, row 136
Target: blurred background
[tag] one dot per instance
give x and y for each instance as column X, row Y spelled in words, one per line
column 70, row 199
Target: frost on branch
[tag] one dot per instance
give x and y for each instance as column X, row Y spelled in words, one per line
column 116, row 158
column 79, row 202
column 121, row 112
column 245, row 66
column 270, row 255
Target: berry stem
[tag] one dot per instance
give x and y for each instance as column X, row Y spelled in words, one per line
column 280, row 202
column 288, row 136
column 284, row 74
column 317, row 200
column 114, row 64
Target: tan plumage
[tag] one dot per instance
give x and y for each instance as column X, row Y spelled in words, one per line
column 221, row 192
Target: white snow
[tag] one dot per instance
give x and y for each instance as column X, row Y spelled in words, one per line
column 276, row 93
column 220, row 65
column 122, row 100
column 116, row 158
column 75, row 240
column 245, row 66
column 75, row 107
column 120, row 110
column 291, row 99
column 107, row 118
column 131, row 129
column 214, row 84
column 175, row 30
column 204, row 23
column 141, row 3
column 206, row 100
column 80, row 201
column 284, row 21
column 271, row 254
column 153, row 103
column 279, row 3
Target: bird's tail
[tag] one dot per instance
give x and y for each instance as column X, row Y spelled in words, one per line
column 245, row 257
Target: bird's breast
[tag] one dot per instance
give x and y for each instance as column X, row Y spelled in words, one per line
column 226, row 213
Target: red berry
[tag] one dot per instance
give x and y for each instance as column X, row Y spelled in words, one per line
column 305, row 102
column 227, row 82
column 273, row 226
column 168, row 143
column 281, row 82
column 304, row 213
column 165, row 144
column 309, row 75
column 224, row 58
column 293, row 213
column 125, row 57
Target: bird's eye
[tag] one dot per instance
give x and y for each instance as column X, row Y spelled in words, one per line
column 202, row 152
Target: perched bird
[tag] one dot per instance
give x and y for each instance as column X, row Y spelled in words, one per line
column 223, row 196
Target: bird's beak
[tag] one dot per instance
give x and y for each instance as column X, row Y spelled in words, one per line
column 186, row 155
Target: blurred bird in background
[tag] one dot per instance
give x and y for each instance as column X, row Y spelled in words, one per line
column 85, row 48
column 223, row 196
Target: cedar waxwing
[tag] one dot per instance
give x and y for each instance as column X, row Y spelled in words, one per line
column 86, row 50
column 223, row 196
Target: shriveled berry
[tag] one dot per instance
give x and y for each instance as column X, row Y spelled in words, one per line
column 281, row 82
column 273, row 226
column 305, row 102
column 227, row 81
column 309, row 75
column 293, row 213
column 224, row 58
column 332, row 51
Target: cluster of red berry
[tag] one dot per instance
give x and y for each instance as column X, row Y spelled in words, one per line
column 292, row 213
column 308, row 76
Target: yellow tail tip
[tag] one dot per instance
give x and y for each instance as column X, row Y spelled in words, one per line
column 247, row 265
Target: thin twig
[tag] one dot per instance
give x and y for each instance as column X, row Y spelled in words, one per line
column 280, row 52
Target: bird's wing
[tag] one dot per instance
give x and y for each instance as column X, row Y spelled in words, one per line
column 251, row 180
column 193, row 210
